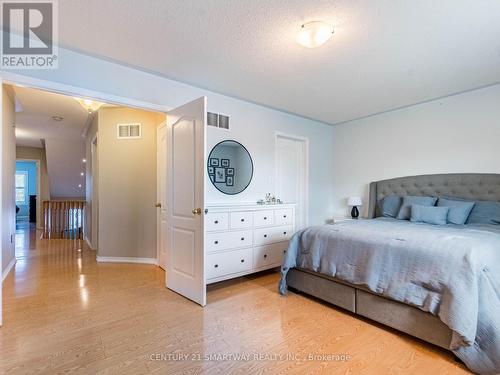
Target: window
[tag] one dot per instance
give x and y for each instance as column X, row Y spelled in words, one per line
column 21, row 187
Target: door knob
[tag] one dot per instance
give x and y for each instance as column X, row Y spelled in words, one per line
column 158, row 205
column 196, row 211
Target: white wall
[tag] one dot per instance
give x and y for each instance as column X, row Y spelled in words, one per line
column 456, row 134
column 252, row 125
column 256, row 128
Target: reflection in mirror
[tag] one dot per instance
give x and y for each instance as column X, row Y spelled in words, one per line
column 230, row 167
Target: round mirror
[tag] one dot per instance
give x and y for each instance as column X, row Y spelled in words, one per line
column 230, row 167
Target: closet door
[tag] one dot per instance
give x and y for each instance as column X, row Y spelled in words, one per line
column 185, row 188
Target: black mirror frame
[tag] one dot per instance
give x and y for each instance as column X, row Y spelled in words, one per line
column 251, row 162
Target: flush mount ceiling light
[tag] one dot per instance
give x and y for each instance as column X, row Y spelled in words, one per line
column 89, row 105
column 314, row 34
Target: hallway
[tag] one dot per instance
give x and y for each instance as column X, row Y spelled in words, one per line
column 64, row 312
column 25, row 239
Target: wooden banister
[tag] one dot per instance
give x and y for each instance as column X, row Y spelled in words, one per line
column 63, row 219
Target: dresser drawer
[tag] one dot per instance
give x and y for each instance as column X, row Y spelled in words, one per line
column 265, row 236
column 228, row 240
column 283, row 216
column 240, row 220
column 216, row 221
column 223, row 264
column 269, row 255
column 263, row 218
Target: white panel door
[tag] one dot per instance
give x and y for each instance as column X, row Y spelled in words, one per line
column 291, row 174
column 162, row 195
column 185, row 189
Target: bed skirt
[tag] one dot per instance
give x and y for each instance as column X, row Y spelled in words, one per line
column 359, row 300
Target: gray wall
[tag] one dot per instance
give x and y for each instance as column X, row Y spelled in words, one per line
column 8, row 172
column 127, row 185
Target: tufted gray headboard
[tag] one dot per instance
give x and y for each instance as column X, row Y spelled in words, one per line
column 474, row 186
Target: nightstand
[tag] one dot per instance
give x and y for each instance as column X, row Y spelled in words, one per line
column 341, row 219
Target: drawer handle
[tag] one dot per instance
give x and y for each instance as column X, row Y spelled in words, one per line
column 216, row 222
column 265, row 256
column 265, row 235
column 284, row 216
column 284, row 232
column 242, row 220
column 216, row 242
column 243, row 261
column 265, row 217
column 243, row 238
column 216, row 266
column 284, row 251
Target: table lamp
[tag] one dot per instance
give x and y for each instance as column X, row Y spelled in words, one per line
column 354, row 202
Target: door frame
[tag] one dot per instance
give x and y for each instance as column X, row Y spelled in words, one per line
column 158, row 195
column 38, row 191
column 305, row 142
column 93, row 241
column 11, row 78
column 1, row 203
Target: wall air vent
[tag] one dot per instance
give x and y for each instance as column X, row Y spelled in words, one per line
column 212, row 119
column 217, row 120
column 224, row 122
column 129, row 131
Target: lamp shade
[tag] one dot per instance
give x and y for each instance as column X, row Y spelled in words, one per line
column 354, row 201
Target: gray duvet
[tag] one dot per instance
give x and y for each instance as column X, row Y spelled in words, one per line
column 451, row 271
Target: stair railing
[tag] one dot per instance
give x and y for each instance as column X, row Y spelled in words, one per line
column 63, row 219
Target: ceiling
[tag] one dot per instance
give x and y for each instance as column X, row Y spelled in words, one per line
column 63, row 141
column 383, row 55
column 34, row 112
column 64, row 166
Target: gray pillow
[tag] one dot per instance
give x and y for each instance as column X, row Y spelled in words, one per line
column 485, row 212
column 405, row 210
column 459, row 210
column 389, row 206
column 429, row 214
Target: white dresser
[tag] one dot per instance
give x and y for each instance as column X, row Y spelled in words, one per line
column 242, row 239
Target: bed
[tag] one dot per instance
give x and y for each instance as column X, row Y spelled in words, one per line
column 438, row 283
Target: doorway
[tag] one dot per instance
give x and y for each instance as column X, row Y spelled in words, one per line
column 53, row 138
column 121, row 140
column 27, row 191
column 292, row 154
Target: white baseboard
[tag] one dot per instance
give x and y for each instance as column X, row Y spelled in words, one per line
column 127, row 260
column 89, row 244
column 9, row 268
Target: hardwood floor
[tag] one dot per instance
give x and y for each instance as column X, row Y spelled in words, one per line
column 64, row 313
